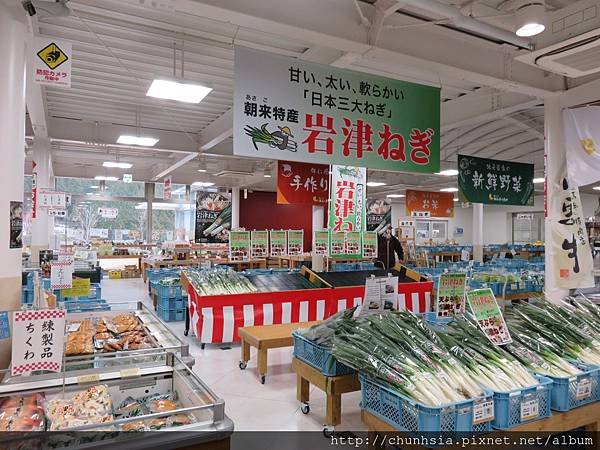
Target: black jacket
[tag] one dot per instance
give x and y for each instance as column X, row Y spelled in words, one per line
column 386, row 249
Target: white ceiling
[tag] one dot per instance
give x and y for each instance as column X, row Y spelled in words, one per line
column 119, row 47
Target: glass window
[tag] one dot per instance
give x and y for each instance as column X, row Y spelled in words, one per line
column 172, row 222
column 121, row 189
column 77, row 186
column 177, row 191
column 439, row 230
column 527, row 227
column 423, row 230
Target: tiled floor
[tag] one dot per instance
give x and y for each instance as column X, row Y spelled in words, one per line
column 251, row 405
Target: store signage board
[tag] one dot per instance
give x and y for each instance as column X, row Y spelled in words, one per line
column 525, row 216
column 337, row 243
column 38, row 340
column 278, row 242
column 321, row 242
column 213, row 217
column 379, row 214
column 582, row 136
column 451, row 294
column 239, row 245
column 61, row 274
column 57, row 212
column 302, row 183
column 51, row 199
column 259, row 241
column 420, row 214
column 295, row 242
column 127, row 178
column 51, row 62
column 381, row 293
column 488, row 315
column 570, row 248
column 494, row 182
column 296, row 110
column 108, row 213
column 437, row 204
column 369, row 244
column 168, row 189
column 81, row 288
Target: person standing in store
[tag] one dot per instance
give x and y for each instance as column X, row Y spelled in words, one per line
column 388, row 247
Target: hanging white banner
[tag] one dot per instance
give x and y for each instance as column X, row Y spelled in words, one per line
column 570, row 246
column 582, row 139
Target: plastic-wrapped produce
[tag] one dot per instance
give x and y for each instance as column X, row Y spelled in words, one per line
column 220, row 281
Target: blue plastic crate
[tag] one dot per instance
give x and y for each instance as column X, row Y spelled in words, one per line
column 171, row 303
column 571, row 392
column 409, row 416
column 319, row 357
column 168, row 291
column 171, row 315
column 26, row 296
column 520, row 406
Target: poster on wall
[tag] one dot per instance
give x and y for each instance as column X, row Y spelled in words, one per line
column 429, row 204
column 296, row 110
column 494, row 182
column 295, row 242
column 582, row 136
column 108, row 213
column 213, row 217
column 337, row 243
column 16, row 224
column 302, row 183
column 570, row 248
column 260, row 243
column 321, row 242
column 239, row 245
column 278, row 242
column 52, row 62
column 488, row 316
column 369, row 244
column 451, row 294
column 379, row 214
column 353, row 243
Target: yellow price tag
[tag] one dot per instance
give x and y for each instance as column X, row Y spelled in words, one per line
column 131, row 372
column 91, row 378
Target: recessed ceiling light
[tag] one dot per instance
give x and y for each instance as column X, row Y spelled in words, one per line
column 201, row 170
column 375, row 183
column 596, row 188
column 538, row 180
column 448, row 173
column 175, row 90
column 450, row 189
column 127, row 139
column 117, row 164
column 455, row 199
column 89, row 193
column 203, row 183
column 105, row 178
column 266, row 175
column 395, row 196
column 94, row 187
column 529, row 17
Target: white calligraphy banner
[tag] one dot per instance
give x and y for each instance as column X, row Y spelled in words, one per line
column 61, row 274
column 582, row 139
column 570, row 247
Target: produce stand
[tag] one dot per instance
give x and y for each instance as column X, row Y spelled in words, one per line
column 265, row 337
column 152, row 264
column 333, row 387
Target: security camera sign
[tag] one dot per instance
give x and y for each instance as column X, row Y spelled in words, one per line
column 52, row 62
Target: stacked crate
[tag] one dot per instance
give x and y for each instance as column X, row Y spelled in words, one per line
column 170, row 303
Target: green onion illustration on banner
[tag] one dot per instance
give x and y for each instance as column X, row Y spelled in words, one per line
column 369, row 244
column 239, row 245
column 494, row 182
column 321, row 242
column 295, row 242
column 488, row 315
column 451, row 294
column 278, row 239
column 260, row 243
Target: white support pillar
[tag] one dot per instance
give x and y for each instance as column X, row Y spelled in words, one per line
column 555, row 163
column 12, row 130
column 318, row 216
column 42, row 226
column 235, row 208
column 478, row 232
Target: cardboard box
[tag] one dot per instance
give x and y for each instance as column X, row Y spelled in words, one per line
column 114, row 274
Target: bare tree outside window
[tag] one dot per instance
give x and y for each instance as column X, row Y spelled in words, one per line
column 87, row 216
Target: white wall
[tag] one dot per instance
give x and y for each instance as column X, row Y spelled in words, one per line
column 497, row 223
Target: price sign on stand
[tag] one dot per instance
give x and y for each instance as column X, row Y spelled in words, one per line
column 260, row 243
column 81, row 288
column 483, row 412
column 295, row 242
column 239, row 245
column 38, row 340
column 451, row 294
column 61, row 274
column 381, row 293
column 321, row 242
column 489, row 318
column 369, row 244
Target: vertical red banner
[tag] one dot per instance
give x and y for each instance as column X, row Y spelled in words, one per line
column 302, row 183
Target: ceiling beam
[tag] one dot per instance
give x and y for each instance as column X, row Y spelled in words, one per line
column 217, row 131
column 175, row 166
column 524, row 127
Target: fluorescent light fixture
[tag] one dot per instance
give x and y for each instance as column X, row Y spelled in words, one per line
column 531, row 29
column 455, row 199
column 89, row 193
column 448, row 172
column 203, row 183
column 94, row 187
column 202, row 170
column 395, row 196
column 375, row 183
column 117, row 164
column 596, row 188
column 529, row 17
column 266, row 175
column 105, row 178
column 175, row 90
column 450, row 189
column 538, row 180
column 127, row 139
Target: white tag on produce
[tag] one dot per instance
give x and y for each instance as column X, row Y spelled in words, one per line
column 483, row 412
column 584, row 389
column 530, row 409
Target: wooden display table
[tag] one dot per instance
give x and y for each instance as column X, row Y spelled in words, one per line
column 265, row 337
column 138, row 257
column 333, row 387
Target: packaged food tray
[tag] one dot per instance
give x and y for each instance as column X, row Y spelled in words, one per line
column 319, row 357
column 571, row 392
column 469, row 416
column 520, row 406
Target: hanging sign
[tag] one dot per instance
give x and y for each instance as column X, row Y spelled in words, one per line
column 61, row 274
column 369, row 244
column 127, row 178
column 337, row 243
column 300, row 111
column 570, row 248
column 582, row 137
column 451, row 294
column 321, row 242
column 52, row 62
column 302, row 183
column 260, row 243
column 213, row 217
column 433, row 204
column 38, row 340
column 379, row 214
column 168, row 189
column 81, row 288
column 347, row 209
column 295, row 242
column 52, row 199
column 239, row 245
column 489, row 318
column 108, row 213
column 16, row 225
column 34, row 201
column 381, row 293
column 278, row 242
column 57, row 212
column 494, row 182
